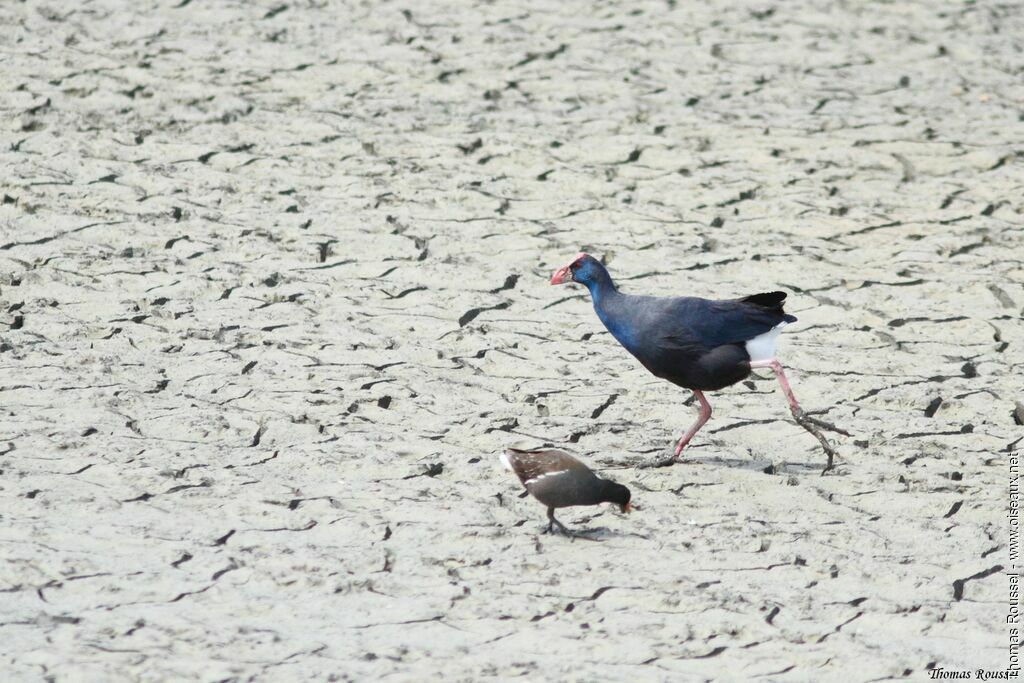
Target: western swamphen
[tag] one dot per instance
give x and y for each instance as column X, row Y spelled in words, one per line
column 699, row 344
column 559, row 480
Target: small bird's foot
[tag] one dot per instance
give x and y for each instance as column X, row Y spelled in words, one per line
column 666, row 461
column 552, row 523
column 561, row 530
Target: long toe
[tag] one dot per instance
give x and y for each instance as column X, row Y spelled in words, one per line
column 664, row 461
column 823, row 424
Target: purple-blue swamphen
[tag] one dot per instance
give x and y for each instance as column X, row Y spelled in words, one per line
column 699, row 344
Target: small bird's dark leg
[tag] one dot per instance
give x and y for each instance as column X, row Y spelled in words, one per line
column 702, row 418
column 802, row 418
column 552, row 523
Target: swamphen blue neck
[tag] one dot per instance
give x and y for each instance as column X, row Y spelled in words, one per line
column 595, row 277
column 590, row 272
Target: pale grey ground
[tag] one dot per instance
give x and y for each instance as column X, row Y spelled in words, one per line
column 261, row 264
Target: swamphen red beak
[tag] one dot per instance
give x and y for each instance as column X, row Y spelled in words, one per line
column 564, row 274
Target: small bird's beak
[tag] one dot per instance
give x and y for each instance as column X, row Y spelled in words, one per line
column 562, row 275
column 627, row 508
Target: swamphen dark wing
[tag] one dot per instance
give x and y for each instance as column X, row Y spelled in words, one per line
column 695, row 343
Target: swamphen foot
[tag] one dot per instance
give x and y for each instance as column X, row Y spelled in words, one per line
column 806, row 421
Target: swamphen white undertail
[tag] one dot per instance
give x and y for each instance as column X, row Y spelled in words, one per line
column 700, row 344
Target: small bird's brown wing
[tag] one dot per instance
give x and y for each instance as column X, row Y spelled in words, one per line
column 531, row 465
column 554, row 477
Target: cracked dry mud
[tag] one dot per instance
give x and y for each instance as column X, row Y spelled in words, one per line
column 274, row 295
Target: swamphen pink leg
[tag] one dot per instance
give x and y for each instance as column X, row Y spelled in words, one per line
column 702, row 418
column 802, row 418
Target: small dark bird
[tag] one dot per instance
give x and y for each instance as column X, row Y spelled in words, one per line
column 559, row 480
column 699, row 344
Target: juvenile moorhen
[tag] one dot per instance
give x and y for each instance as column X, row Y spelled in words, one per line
column 559, row 480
